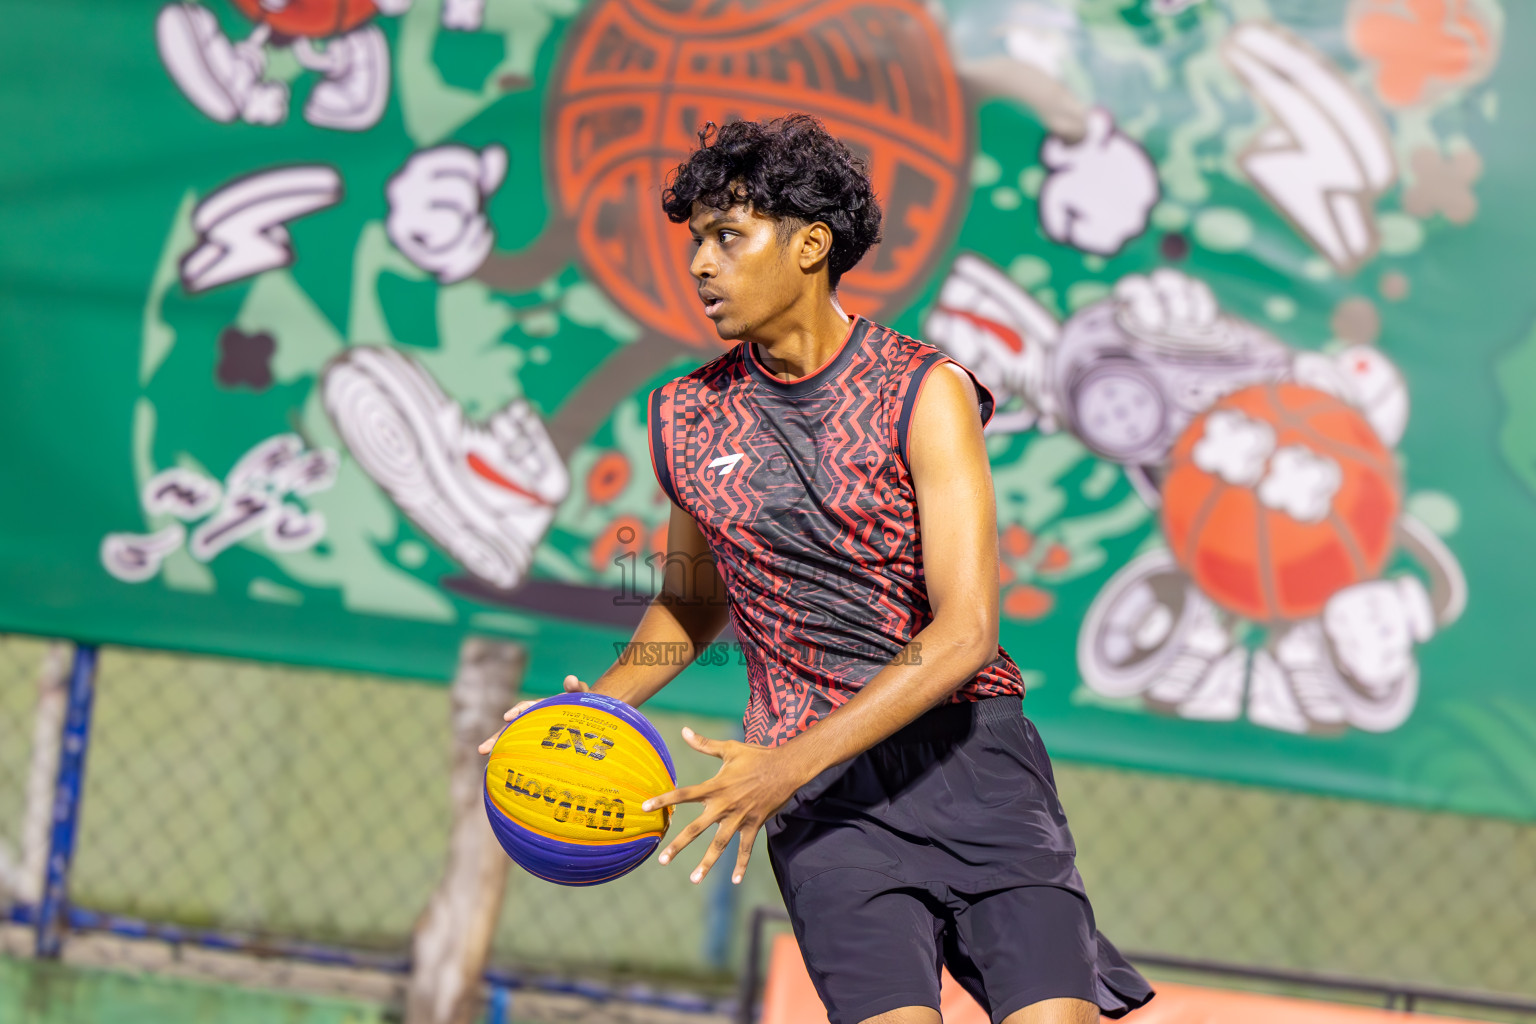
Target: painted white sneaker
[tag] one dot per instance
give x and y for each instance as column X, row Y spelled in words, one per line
column 355, row 90
column 1272, row 701
column 1306, row 667
column 1204, row 679
column 1137, row 625
column 1000, row 332
column 485, row 492
column 1219, row 695
column 222, row 79
column 1151, row 632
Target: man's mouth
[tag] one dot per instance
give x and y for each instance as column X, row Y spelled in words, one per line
column 712, row 304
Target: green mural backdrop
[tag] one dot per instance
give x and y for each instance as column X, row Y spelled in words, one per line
column 328, row 327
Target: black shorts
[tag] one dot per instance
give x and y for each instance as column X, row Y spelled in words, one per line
column 944, row 844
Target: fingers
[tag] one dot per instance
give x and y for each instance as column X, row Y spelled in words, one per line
column 1100, row 125
column 702, row 745
column 688, row 794
column 572, row 685
column 511, row 713
column 485, row 748
column 716, row 848
column 1136, row 294
column 727, row 828
column 493, row 168
column 743, row 854
column 687, row 836
column 517, row 709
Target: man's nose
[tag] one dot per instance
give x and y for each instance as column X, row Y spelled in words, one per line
column 703, row 265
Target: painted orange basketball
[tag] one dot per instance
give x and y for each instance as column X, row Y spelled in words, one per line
column 1276, row 498
column 311, row 19
column 638, row 78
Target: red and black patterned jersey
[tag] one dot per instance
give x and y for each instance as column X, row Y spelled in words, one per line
column 802, row 490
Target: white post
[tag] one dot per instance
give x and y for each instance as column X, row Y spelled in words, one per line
column 42, row 773
column 452, row 939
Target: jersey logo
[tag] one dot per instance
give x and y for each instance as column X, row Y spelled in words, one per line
column 726, row 463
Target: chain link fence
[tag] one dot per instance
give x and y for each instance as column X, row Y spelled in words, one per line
column 22, row 664
column 243, row 797
column 1275, row 879
column 275, row 806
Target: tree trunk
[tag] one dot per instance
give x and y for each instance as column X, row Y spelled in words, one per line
column 614, row 380
column 453, row 935
column 1051, row 100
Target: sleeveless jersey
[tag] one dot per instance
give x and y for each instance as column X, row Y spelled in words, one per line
column 802, row 490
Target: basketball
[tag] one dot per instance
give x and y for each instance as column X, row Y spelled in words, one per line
column 1278, row 497
column 564, row 785
column 310, row 19
column 639, row 78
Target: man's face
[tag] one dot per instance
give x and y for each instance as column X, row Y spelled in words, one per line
column 745, row 267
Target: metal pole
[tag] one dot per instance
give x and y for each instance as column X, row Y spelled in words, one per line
column 751, row 971
column 499, row 1007
column 66, row 802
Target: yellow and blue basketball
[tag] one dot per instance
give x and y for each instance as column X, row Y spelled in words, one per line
column 565, row 783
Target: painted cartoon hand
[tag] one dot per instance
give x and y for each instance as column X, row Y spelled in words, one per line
column 1099, row 191
column 265, row 103
column 1364, row 377
column 437, row 208
column 1167, row 302
column 1374, row 626
column 463, row 15
column 572, row 685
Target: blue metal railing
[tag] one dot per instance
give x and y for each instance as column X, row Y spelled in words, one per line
column 66, row 802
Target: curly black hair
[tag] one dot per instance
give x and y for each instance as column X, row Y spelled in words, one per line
column 791, row 168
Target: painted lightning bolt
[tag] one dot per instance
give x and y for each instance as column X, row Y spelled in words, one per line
column 1327, row 156
column 241, row 228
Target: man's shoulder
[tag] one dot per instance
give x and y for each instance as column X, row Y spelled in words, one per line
column 910, row 361
column 901, row 353
column 716, row 374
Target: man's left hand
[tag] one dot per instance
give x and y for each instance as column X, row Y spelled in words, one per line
column 753, row 782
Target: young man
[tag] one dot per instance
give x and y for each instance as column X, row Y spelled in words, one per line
column 832, row 496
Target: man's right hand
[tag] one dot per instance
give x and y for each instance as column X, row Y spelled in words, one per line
column 572, row 685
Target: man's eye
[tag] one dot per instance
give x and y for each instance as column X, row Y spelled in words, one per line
column 726, row 236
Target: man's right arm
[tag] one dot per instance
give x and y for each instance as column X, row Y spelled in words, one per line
column 687, row 613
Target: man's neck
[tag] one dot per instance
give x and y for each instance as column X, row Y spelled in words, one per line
column 801, row 345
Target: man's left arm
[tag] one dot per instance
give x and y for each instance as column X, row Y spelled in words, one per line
column 957, row 516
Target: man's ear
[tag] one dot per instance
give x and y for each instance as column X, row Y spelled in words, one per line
column 815, row 244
